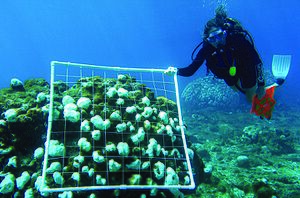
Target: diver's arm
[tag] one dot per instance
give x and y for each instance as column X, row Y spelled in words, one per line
column 195, row 65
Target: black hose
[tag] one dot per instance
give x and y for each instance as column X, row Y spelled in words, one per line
column 192, row 56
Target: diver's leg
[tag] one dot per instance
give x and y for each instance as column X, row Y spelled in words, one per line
column 250, row 92
column 234, row 88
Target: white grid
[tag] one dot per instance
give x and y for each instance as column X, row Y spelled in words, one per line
column 68, row 133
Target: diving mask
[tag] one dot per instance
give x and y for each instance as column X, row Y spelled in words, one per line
column 217, row 38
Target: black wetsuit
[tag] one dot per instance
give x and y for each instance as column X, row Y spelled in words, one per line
column 238, row 51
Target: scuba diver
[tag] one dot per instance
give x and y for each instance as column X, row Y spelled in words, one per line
column 230, row 54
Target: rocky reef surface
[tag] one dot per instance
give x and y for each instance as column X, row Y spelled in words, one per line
column 245, row 156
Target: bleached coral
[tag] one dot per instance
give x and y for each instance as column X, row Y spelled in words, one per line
column 99, row 123
column 171, row 177
column 175, row 153
column 187, row 180
column 56, row 149
column 100, row 180
column 29, row 193
column 131, row 109
column 122, row 93
column 67, row 100
column 90, row 172
column 39, row 184
column 115, row 116
column 153, row 146
column 163, row 117
column 120, row 120
column 54, row 166
column 38, row 153
column 22, row 180
column 98, row 158
column 120, row 101
column 161, row 130
column 147, row 125
column 121, row 127
column 76, row 176
column 65, row 194
column 113, row 166
column 111, row 92
column 12, row 161
column 159, row 170
column 190, row 153
column 85, row 126
column 70, row 112
column 84, row 144
column 137, row 138
column 84, row 103
column 110, row 147
column 135, row 179
column 170, row 133
column 8, row 184
column 96, row 135
column 146, row 165
column 121, row 77
column 85, row 169
column 147, row 112
column 146, row 101
column 58, row 178
column 131, row 127
column 138, row 117
column 42, row 97
column 11, row 115
column 78, row 160
column 135, row 165
column 172, row 122
column 123, row 148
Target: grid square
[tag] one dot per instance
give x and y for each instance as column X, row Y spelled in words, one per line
column 128, row 133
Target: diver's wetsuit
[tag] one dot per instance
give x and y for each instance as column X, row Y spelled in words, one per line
column 238, row 51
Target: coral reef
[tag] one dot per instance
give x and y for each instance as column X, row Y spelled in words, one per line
column 120, row 136
column 243, row 159
column 119, row 125
column 208, row 92
column 107, row 124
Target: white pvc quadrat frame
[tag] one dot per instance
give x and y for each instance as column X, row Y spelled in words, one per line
column 60, row 66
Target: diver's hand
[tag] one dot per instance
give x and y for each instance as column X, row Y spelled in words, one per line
column 260, row 91
column 171, row 71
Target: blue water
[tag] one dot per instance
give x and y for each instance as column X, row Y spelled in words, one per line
column 139, row 33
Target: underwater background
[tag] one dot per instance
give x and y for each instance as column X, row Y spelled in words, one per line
column 135, row 33
column 243, row 155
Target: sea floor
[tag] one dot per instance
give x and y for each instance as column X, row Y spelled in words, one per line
column 245, row 156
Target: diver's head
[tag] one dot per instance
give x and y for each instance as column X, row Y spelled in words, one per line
column 220, row 15
column 217, row 37
column 214, row 32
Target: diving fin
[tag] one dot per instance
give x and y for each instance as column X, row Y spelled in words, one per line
column 280, row 67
